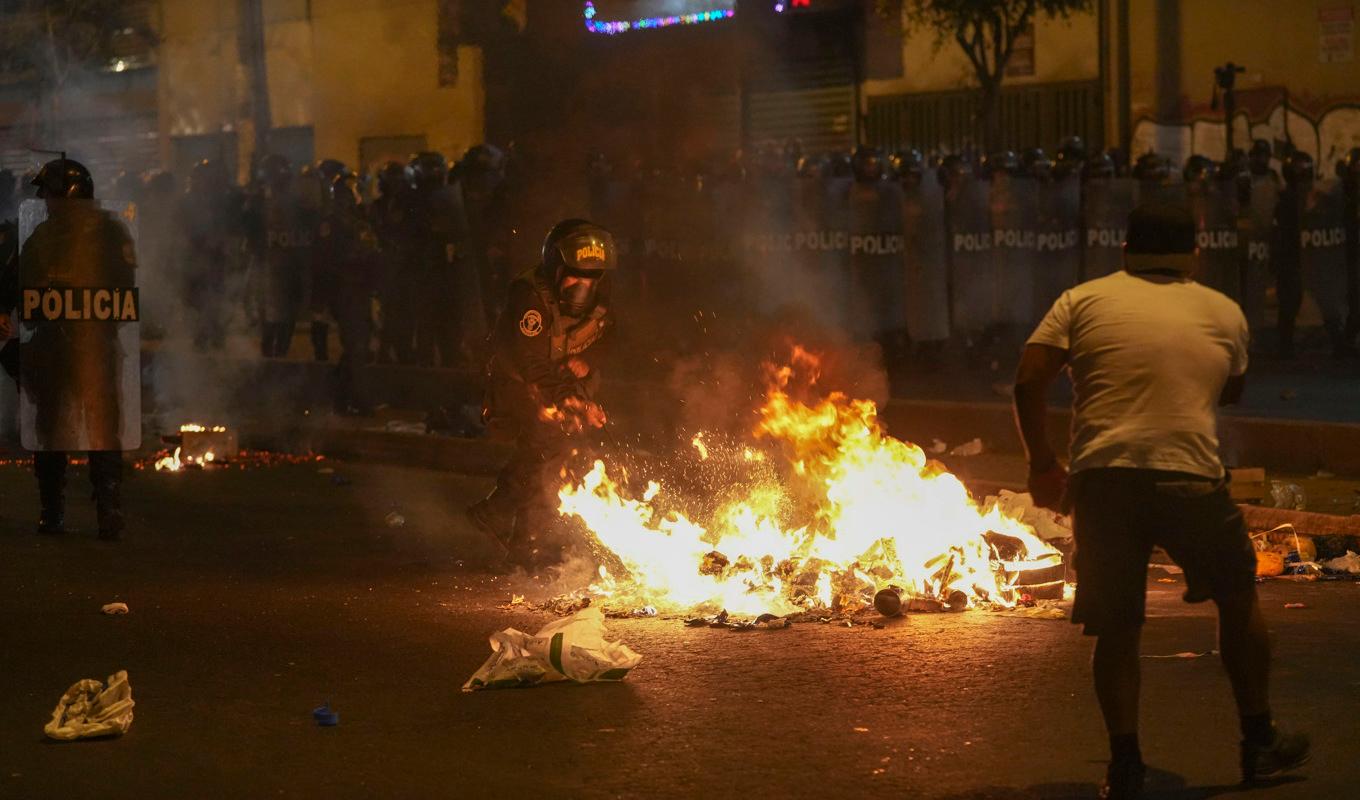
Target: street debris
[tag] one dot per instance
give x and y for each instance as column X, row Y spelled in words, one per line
column 394, row 520
column 1183, row 655
column 973, row 448
column 89, row 709
column 114, row 608
column 1288, row 495
column 1349, row 563
column 571, row 648
column 938, row 447
column 1295, row 605
column 325, row 717
column 400, row 426
column 1048, row 525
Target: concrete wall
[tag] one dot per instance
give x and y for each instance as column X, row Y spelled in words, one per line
column 1064, row 50
column 354, row 69
column 1175, row 44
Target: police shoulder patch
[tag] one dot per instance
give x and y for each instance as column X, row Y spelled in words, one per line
column 531, row 324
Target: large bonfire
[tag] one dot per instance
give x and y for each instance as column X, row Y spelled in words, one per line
column 820, row 509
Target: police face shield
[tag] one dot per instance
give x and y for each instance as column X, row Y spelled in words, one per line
column 578, row 291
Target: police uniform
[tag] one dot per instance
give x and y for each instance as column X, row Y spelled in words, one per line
column 532, row 388
column 71, row 369
column 347, row 263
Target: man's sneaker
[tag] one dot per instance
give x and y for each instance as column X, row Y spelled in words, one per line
column 1123, row 781
column 1285, row 752
column 51, row 524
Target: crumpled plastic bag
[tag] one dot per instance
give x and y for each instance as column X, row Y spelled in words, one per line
column 571, row 648
column 1347, row 563
column 1048, row 525
column 1288, row 495
column 90, row 709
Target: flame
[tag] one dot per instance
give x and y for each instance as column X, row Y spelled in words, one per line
column 845, row 510
column 698, row 442
column 194, row 427
column 170, row 463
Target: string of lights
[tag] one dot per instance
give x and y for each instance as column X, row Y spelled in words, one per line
column 612, row 27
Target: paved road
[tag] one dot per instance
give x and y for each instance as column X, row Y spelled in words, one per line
column 257, row 595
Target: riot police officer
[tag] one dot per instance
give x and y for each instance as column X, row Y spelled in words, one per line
column 74, row 366
column 541, row 386
column 1286, row 251
column 436, row 237
column 482, row 178
column 347, row 262
column 209, row 218
column 281, row 227
column 1348, row 170
column 388, row 218
column 1071, row 159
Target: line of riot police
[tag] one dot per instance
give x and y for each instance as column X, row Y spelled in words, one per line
column 912, row 252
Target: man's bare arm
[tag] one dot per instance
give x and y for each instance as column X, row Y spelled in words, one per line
column 1039, row 366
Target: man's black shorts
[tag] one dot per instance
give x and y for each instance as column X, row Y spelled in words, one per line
column 1119, row 514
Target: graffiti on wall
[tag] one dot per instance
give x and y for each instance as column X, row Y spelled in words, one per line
column 1327, row 136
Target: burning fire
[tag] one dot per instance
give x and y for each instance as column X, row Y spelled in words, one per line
column 173, row 462
column 833, row 509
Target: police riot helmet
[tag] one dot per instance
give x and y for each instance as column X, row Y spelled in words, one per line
column 483, row 159
column 1098, row 166
column 1258, row 157
column 427, row 170
column 64, row 178
column 812, row 166
column 953, row 168
column 1072, row 150
column 838, row 165
column 907, row 164
column 1151, row 167
column 1003, row 162
column 867, row 164
column 274, row 171
column 577, row 248
column 391, row 178
column 207, row 176
column 329, row 169
column 1298, row 168
column 345, row 192
column 1035, row 163
column 1198, row 168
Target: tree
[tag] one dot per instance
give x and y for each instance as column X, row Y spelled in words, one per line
column 986, row 31
column 49, row 43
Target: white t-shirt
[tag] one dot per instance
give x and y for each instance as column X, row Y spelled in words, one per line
column 1148, row 360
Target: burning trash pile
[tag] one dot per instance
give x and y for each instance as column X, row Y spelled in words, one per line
column 203, row 446
column 820, row 511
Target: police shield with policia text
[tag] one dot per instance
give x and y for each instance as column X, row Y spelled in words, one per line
column 79, row 371
column 541, row 386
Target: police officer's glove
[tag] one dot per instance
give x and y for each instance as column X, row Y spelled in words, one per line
column 589, row 412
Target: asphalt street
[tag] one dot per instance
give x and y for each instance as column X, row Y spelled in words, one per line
column 256, row 595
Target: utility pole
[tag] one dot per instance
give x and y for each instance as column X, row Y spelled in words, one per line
column 250, row 39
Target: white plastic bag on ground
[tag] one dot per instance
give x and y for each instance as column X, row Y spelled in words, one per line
column 89, row 709
column 1347, row 563
column 569, row 648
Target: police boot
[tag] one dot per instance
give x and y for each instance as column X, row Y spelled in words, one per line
column 109, row 510
column 52, row 519
column 320, row 340
column 51, row 472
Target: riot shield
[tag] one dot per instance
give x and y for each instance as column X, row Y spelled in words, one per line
column 1214, row 207
column 1322, row 252
column 974, row 288
column 79, row 331
column 821, row 247
column 1105, row 207
column 925, row 263
column 875, row 253
column 766, row 239
column 1263, row 196
column 1057, row 249
column 1015, row 237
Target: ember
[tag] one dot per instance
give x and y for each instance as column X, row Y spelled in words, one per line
column 842, row 511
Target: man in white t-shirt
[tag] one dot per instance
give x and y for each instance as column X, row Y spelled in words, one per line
column 1151, row 354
